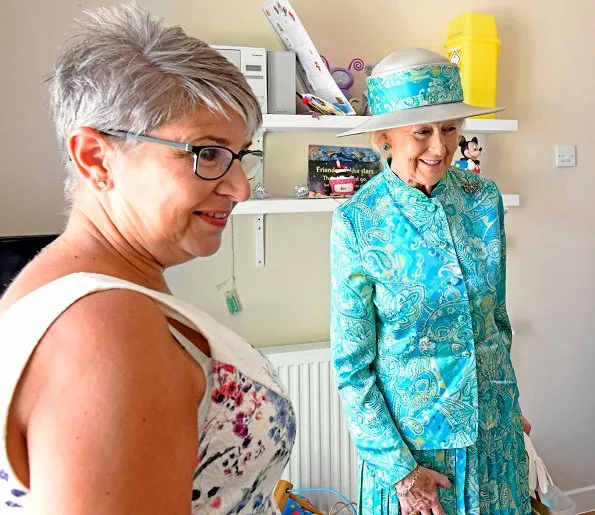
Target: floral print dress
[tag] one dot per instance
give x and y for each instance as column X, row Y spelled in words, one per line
column 249, row 422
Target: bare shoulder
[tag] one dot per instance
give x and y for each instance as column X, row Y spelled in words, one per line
column 113, row 400
column 109, row 328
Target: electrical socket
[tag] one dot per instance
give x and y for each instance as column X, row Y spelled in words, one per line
column 565, row 155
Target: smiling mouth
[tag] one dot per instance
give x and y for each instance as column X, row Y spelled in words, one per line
column 431, row 162
column 216, row 218
column 219, row 216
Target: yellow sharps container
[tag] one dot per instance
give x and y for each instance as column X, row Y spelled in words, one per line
column 473, row 43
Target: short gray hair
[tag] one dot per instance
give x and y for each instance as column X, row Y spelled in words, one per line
column 123, row 70
column 384, row 155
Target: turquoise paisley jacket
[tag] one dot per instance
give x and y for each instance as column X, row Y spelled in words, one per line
column 415, row 282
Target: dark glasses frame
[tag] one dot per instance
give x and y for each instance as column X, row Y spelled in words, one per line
column 194, row 149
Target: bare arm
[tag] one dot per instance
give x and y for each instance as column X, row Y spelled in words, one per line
column 113, row 428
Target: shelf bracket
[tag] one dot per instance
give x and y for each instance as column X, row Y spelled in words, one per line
column 258, row 144
column 259, row 241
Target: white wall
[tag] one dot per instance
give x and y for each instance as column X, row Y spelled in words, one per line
column 546, row 81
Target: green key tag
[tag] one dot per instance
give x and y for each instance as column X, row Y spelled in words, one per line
column 233, row 305
column 231, row 297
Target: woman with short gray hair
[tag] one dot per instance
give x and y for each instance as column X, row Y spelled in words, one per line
column 103, row 372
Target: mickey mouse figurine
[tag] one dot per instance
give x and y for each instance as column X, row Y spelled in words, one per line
column 471, row 152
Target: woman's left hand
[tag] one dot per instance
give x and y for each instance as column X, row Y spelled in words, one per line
column 526, row 425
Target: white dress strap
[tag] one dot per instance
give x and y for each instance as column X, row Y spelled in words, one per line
column 52, row 299
column 206, row 363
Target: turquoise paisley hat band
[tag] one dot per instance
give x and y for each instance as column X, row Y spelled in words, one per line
column 414, row 87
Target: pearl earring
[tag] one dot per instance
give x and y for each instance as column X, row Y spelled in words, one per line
column 101, row 185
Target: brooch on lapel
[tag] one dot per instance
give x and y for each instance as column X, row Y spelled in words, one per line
column 470, row 186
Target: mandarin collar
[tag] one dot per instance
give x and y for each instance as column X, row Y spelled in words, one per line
column 404, row 193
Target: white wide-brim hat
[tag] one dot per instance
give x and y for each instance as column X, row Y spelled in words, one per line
column 412, row 87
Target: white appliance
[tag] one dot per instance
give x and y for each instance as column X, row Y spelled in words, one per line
column 252, row 62
column 281, row 81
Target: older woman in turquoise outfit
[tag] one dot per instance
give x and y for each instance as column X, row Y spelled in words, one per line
column 419, row 328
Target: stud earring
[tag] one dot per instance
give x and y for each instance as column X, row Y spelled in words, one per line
column 386, row 147
column 101, row 185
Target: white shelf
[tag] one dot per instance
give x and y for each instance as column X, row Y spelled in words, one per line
column 286, row 205
column 490, row 126
column 308, row 123
column 318, row 205
column 332, row 124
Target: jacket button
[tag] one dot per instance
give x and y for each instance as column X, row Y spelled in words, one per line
column 432, row 207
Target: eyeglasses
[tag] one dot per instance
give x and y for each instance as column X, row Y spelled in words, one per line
column 210, row 162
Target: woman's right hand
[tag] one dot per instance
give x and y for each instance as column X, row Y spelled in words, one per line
column 423, row 497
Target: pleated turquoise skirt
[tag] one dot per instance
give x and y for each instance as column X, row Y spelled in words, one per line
column 489, row 477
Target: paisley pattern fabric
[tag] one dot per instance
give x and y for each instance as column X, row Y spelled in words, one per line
column 415, row 87
column 421, row 342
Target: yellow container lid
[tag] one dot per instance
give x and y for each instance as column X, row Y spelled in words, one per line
column 477, row 26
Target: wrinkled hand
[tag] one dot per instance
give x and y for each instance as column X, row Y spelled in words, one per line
column 423, row 497
column 526, row 425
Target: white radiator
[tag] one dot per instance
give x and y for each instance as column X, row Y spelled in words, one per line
column 323, row 455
